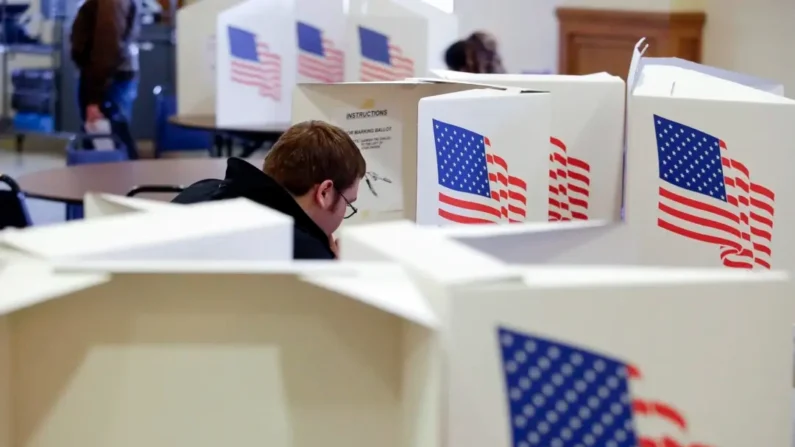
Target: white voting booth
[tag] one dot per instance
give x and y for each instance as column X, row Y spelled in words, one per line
column 586, row 140
column 707, row 179
column 256, row 64
column 688, row 126
column 387, row 42
column 386, row 122
column 196, row 55
column 265, row 49
column 481, row 157
column 118, row 349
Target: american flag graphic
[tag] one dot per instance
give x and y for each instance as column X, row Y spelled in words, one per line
column 707, row 196
column 561, row 395
column 381, row 60
column 253, row 64
column 318, row 58
column 569, row 184
column 476, row 186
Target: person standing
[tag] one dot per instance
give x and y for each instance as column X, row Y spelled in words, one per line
column 104, row 49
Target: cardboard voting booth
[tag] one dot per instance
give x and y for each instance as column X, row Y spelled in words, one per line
column 569, row 355
column 196, row 56
column 256, row 64
column 385, row 47
column 382, row 118
column 586, row 140
column 482, row 158
column 229, row 230
column 707, row 176
column 266, row 48
column 358, row 354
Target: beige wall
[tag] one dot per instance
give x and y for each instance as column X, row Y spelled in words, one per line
column 754, row 37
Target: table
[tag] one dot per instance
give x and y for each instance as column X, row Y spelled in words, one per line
column 70, row 183
column 253, row 137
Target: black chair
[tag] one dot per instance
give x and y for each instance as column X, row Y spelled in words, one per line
column 13, row 208
column 155, row 189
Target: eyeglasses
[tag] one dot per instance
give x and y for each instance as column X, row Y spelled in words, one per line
column 348, row 204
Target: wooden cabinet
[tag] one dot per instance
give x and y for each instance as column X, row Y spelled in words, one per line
column 596, row 40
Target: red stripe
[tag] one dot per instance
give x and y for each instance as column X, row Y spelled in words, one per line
column 461, row 219
column 701, row 206
column 467, row 205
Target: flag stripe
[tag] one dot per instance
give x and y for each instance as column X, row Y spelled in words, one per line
column 569, row 184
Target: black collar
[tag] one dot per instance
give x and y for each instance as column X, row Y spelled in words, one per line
column 245, row 180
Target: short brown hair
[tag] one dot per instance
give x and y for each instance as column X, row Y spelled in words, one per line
column 311, row 152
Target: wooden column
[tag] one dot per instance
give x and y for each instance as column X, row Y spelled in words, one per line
column 596, row 40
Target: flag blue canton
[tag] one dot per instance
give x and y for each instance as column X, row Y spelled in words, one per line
column 243, row 44
column 689, row 159
column 374, row 45
column 563, row 396
column 310, row 39
column 461, row 159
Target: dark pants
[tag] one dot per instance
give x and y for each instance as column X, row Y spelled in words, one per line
column 117, row 107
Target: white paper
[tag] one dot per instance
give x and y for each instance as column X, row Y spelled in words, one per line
column 378, row 133
column 101, row 127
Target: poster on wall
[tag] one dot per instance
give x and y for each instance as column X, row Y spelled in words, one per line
column 377, row 131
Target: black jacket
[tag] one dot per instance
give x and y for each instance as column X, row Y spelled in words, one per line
column 244, row 180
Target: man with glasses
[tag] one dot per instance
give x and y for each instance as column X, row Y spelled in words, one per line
column 311, row 174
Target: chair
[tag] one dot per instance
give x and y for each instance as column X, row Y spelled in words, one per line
column 13, row 208
column 170, row 137
column 77, row 153
column 157, row 189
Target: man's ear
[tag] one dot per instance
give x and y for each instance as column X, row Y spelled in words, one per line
column 325, row 193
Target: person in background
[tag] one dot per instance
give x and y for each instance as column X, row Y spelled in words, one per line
column 482, row 54
column 312, row 174
column 456, row 56
column 105, row 52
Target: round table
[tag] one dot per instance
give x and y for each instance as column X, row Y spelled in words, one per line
column 254, row 137
column 70, row 184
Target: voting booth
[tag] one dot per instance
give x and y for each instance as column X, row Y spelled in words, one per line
column 708, row 180
column 387, row 43
column 256, row 64
column 117, row 349
column 266, row 48
column 539, row 346
column 586, row 140
column 705, row 181
column 382, row 118
column 481, row 157
column 196, row 55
